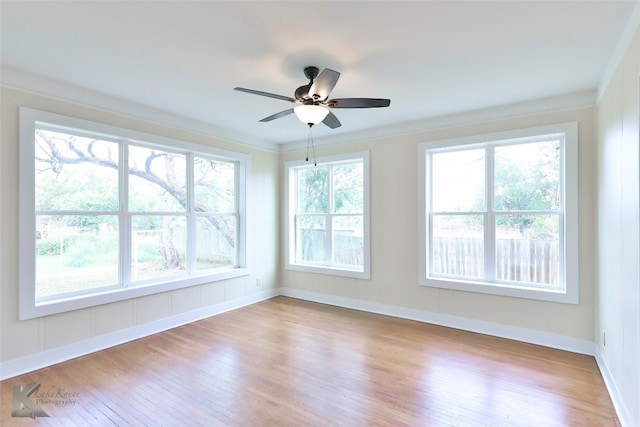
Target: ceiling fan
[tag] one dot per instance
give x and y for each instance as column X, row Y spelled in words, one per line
column 313, row 99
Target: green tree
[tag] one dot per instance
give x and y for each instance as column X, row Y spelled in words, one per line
column 98, row 190
column 313, row 190
column 526, row 178
column 348, row 188
column 347, row 184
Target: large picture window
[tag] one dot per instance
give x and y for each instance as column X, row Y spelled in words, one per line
column 107, row 214
column 328, row 216
column 500, row 213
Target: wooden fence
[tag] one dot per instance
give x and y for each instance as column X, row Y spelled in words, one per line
column 532, row 261
column 348, row 250
column 518, row 260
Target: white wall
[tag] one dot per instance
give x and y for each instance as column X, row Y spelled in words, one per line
column 99, row 326
column 618, row 182
column 394, row 240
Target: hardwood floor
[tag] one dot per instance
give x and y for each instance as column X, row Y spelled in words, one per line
column 286, row 362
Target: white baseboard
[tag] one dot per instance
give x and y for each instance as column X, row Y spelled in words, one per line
column 545, row 339
column 618, row 404
column 46, row 358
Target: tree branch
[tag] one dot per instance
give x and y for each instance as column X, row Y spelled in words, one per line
column 56, row 160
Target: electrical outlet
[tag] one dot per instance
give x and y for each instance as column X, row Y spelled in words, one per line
column 604, row 339
column 258, row 282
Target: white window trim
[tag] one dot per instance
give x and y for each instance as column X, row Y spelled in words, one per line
column 289, row 191
column 28, row 308
column 570, row 294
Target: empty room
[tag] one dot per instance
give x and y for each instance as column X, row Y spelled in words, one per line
column 320, row 213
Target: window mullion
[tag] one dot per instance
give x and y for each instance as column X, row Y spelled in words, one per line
column 490, row 218
column 329, row 217
column 124, row 217
column 192, row 220
column 429, row 210
column 240, row 208
column 563, row 211
column 292, row 205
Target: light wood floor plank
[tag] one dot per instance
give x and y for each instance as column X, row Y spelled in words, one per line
column 286, row 362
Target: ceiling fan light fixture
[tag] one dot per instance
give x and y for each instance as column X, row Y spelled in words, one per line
column 311, row 114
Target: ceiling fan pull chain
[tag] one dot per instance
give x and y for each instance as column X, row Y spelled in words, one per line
column 313, row 148
column 308, row 142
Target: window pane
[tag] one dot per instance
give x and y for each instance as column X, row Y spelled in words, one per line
column 457, row 246
column 157, row 181
column 458, row 181
column 214, row 185
column 311, row 236
column 312, row 190
column 348, row 188
column 528, row 248
column 158, row 246
column 527, row 176
column 348, row 241
column 74, row 173
column 215, row 242
column 75, row 253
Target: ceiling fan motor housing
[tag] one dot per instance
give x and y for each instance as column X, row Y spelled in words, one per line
column 303, row 91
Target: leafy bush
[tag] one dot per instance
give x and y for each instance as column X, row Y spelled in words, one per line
column 91, row 250
column 52, row 247
column 148, row 251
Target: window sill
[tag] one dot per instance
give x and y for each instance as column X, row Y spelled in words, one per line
column 332, row 271
column 29, row 310
column 507, row 290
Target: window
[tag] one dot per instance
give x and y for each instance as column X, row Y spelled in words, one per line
column 499, row 213
column 328, row 216
column 108, row 214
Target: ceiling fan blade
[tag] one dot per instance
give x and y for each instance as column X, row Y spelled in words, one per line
column 358, row 102
column 267, row 94
column 278, row 115
column 324, row 84
column 332, row 121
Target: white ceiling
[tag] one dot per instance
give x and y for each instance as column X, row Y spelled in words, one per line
column 431, row 58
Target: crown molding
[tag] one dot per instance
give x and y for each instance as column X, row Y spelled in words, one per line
column 13, row 78
column 31, row 83
column 568, row 101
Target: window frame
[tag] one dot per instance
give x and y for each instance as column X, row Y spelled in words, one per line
column 569, row 245
column 290, row 209
column 29, row 307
